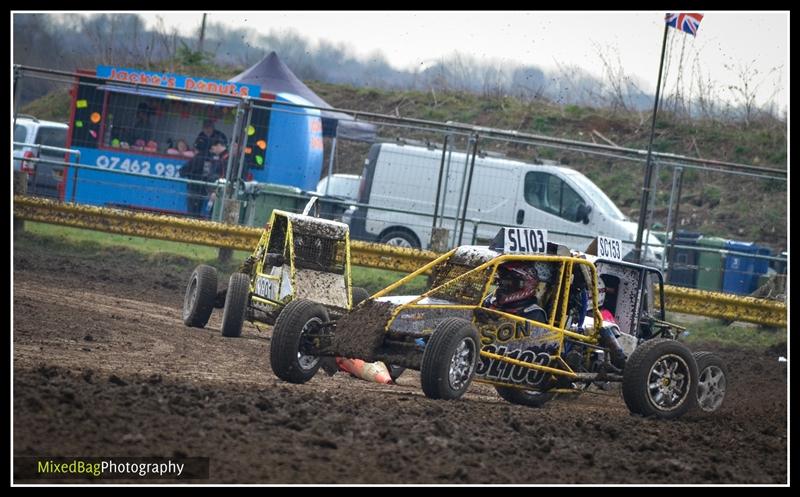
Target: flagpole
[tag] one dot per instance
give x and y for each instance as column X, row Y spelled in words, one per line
column 648, row 170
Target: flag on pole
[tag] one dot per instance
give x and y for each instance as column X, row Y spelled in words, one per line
column 688, row 23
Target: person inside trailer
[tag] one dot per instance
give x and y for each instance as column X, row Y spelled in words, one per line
column 207, row 137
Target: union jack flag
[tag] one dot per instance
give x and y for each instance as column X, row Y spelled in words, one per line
column 688, row 23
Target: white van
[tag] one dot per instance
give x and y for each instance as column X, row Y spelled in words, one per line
column 503, row 192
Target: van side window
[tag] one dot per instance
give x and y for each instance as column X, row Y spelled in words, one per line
column 536, row 190
column 549, row 193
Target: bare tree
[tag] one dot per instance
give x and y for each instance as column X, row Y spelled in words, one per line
column 707, row 96
column 745, row 91
column 168, row 40
column 679, row 107
column 614, row 74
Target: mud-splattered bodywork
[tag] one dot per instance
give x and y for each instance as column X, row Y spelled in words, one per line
column 515, row 351
column 301, row 257
column 395, row 327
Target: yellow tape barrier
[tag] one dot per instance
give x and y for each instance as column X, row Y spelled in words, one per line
column 683, row 300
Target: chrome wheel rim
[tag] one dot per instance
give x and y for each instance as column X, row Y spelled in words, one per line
column 711, row 388
column 668, row 382
column 462, row 364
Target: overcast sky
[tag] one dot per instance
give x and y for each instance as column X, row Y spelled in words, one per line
column 408, row 38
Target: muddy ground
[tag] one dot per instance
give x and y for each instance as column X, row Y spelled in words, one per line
column 104, row 366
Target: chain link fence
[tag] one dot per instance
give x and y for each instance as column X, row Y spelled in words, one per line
column 415, row 183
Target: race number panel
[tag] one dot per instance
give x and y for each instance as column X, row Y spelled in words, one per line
column 609, row 248
column 266, row 288
column 525, row 241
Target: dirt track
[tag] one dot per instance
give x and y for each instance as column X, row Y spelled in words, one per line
column 104, row 366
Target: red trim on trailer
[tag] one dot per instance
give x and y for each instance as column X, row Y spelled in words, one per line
column 101, row 139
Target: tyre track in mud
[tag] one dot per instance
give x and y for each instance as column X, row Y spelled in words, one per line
column 149, row 386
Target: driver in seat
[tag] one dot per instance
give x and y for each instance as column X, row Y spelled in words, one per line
column 520, row 288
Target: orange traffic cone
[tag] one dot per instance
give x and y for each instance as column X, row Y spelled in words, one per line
column 370, row 371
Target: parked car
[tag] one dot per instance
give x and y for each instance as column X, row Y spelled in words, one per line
column 563, row 201
column 43, row 178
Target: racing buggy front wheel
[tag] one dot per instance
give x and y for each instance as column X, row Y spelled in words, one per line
column 235, row 305
column 660, row 379
column 449, row 359
column 291, row 339
column 712, row 381
column 524, row 397
column 198, row 302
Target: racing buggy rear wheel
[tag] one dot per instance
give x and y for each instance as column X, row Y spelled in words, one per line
column 291, row 339
column 235, row 305
column 660, row 379
column 712, row 381
column 198, row 302
column 449, row 359
column 524, row 397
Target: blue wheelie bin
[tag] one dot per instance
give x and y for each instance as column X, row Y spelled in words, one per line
column 739, row 276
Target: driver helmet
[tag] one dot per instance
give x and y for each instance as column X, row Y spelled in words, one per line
column 516, row 281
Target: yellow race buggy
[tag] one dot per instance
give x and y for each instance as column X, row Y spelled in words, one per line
column 298, row 257
column 453, row 337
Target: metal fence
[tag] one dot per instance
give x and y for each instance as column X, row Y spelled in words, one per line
column 687, row 301
column 422, row 183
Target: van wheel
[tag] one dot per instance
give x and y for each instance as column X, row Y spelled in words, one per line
column 399, row 237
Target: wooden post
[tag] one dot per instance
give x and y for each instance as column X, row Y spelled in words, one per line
column 20, row 188
column 230, row 215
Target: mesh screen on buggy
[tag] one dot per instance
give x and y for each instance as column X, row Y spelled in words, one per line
column 447, row 271
column 319, row 253
column 465, row 288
